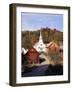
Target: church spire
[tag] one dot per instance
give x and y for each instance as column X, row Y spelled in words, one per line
column 40, row 35
column 40, row 46
column 40, row 38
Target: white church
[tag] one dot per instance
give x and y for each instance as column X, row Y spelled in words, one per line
column 40, row 46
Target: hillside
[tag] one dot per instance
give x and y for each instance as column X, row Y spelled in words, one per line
column 29, row 38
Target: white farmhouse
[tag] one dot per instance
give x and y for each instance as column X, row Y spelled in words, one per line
column 24, row 51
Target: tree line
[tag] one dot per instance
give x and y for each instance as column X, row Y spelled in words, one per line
column 29, row 38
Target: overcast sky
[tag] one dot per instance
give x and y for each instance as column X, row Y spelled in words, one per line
column 34, row 21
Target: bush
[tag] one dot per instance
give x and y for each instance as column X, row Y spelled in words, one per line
column 55, row 56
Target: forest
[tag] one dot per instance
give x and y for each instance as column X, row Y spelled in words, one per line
column 29, row 38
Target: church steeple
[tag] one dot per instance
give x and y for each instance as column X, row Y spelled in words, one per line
column 40, row 46
column 40, row 38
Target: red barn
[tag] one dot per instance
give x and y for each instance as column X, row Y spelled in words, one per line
column 32, row 56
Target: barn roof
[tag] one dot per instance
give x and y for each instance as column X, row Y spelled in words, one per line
column 32, row 50
column 52, row 44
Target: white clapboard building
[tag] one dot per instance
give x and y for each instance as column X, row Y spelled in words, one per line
column 40, row 46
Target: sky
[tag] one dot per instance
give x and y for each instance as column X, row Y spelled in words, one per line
column 34, row 21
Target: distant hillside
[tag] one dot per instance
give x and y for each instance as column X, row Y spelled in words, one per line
column 29, row 38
